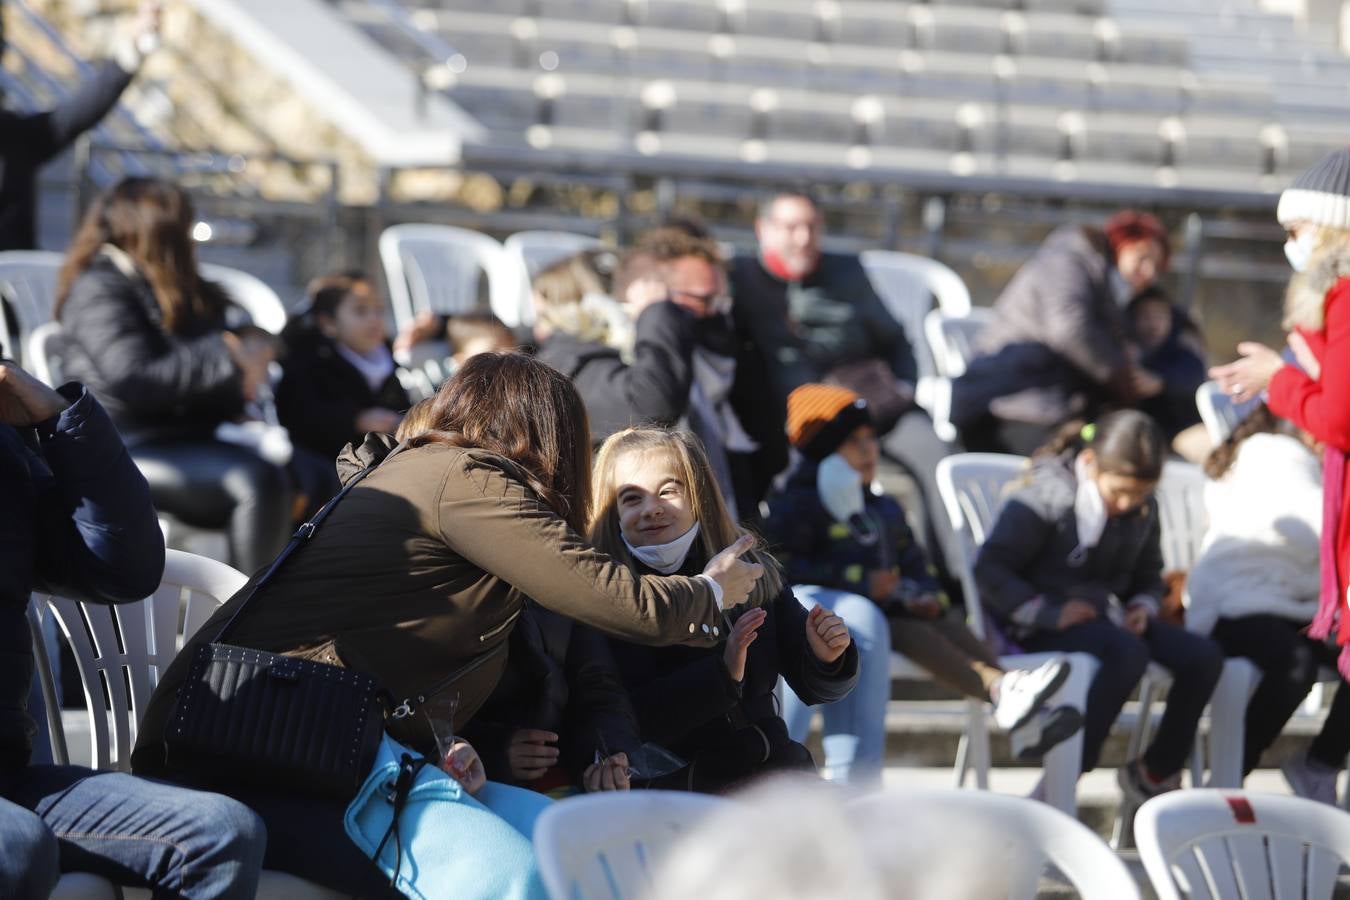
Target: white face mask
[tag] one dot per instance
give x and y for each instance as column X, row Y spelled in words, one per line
column 840, row 488
column 1121, row 290
column 1299, row 250
column 1089, row 510
column 665, row 558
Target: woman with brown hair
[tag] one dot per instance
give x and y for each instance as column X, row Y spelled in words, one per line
column 425, row 565
column 146, row 333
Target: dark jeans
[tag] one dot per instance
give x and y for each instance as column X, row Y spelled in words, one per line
column 1195, row 663
column 133, row 831
column 994, row 435
column 212, row 484
column 1289, row 662
column 915, row 446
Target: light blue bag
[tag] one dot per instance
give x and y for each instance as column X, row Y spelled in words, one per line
column 447, row 843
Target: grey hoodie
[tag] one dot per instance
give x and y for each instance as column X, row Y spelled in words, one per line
column 1024, row 571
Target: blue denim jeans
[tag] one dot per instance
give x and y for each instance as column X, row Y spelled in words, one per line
column 855, row 727
column 133, row 831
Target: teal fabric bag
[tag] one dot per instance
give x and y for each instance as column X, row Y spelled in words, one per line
column 446, row 843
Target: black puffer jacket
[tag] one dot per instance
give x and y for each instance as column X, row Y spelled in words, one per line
column 654, row 389
column 321, row 394
column 76, row 519
column 727, row 731
column 155, row 385
column 560, row 676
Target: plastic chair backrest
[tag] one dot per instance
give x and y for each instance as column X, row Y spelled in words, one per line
column 1214, row 845
column 45, row 353
column 28, row 285
column 121, row 650
column 251, row 293
column 951, row 339
column 610, row 844
column 524, row 255
column 1218, row 411
column 908, row 285
column 1182, row 513
column 436, row 267
column 973, row 487
column 1015, row 837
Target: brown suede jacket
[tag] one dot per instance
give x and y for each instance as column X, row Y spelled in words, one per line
column 424, row 566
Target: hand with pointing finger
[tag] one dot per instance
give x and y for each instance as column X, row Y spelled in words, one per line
column 736, row 577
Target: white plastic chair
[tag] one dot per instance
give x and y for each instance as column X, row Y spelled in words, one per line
column 43, row 354
column 436, row 267
column 973, row 486
column 609, row 845
column 951, row 339
column 909, row 285
column 1216, row 845
column 121, row 651
column 251, row 293
column 28, row 285
column 1016, row 839
column 525, row 254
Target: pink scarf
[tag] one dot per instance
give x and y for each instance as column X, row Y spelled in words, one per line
column 1329, row 604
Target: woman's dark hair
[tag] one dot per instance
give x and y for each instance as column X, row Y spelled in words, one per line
column 1259, row 421
column 1126, row 442
column 151, row 221
column 519, row 408
column 326, row 293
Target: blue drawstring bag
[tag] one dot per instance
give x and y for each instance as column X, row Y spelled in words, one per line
column 434, row 840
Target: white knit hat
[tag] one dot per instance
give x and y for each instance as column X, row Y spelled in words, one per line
column 1320, row 195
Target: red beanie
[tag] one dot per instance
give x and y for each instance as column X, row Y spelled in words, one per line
column 1129, row 226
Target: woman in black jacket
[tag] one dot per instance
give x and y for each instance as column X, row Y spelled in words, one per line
column 146, row 334
column 657, row 509
column 338, row 380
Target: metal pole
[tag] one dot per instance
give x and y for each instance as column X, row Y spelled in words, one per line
column 1195, row 239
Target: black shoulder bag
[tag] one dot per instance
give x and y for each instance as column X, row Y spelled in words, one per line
column 250, row 717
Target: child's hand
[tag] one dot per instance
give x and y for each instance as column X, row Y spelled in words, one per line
column 422, row 328
column 464, row 766
column 1136, row 620
column 827, row 634
column 881, row 583
column 1076, row 612
column 529, row 753
column 607, row 775
column 924, row 606
column 743, row 634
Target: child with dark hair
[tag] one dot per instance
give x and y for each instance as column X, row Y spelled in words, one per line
column 847, row 547
column 338, row 379
column 1170, row 366
column 1074, row 564
column 469, row 334
column 1254, row 588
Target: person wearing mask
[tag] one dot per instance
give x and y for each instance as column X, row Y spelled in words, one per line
column 76, row 519
column 146, row 333
column 424, row 567
column 30, row 140
column 817, row 318
column 1313, row 391
column 1073, row 564
column 1058, row 348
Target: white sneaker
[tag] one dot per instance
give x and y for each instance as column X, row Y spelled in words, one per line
column 1311, row 779
column 1022, row 693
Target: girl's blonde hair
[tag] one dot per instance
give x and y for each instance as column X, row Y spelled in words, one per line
column 1305, row 300
column 717, row 530
column 560, row 294
column 416, row 421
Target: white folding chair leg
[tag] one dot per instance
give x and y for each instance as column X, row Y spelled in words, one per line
column 1227, row 722
column 1064, row 763
column 978, row 746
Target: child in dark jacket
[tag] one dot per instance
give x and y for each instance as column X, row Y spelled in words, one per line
column 1171, row 365
column 849, row 548
column 1074, row 564
column 338, row 380
column 657, row 508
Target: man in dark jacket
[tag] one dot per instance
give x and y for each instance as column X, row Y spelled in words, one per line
column 76, row 518
column 29, row 140
column 816, row 317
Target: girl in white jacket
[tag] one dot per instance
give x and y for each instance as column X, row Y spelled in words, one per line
column 1255, row 587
